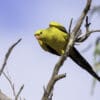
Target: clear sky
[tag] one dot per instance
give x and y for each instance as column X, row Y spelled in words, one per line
column 29, row 64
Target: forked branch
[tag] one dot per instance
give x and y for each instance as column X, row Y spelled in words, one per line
column 7, row 56
column 73, row 37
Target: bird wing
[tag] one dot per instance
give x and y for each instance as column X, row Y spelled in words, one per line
column 51, row 50
column 48, row 48
column 58, row 26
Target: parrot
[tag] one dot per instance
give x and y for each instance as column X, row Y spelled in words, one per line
column 54, row 39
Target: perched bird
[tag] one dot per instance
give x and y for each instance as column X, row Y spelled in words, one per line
column 54, row 40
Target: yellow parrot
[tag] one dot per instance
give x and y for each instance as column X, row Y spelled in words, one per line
column 54, row 40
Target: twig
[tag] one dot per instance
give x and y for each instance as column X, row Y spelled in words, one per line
column 58, row 65
column 87, row 24
column 19, row 92
column 11, row 83
column 81, row 19
column 6, row 76
column 83, row 38
column 88, row 32
column 70, row 25
column 16, row 95
column 7, row 56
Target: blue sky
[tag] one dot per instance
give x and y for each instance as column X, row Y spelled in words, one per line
column 29, row 64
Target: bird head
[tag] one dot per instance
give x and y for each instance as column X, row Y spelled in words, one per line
column 38, row 34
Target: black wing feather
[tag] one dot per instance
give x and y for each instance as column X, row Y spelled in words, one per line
column 51, row 50
column 76, row 56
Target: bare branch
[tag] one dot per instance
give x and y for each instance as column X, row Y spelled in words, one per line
column 58, row 65
column 88, row 32
column 87, row 23
column 10, row 82
column 7, row 76
column 16, row 95
column 7, row 56
column 81, row 18
column 70, row 25
column 58, row 77
column 19, row 92
column 84, row 37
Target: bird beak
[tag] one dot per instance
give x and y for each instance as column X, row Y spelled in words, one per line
column 37, row 37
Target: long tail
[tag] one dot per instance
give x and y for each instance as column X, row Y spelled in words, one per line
column 76, row 56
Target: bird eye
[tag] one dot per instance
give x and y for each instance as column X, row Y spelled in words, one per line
column 40, row 32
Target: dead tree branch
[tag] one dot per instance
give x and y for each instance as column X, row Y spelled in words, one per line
column 19, row 92
column 7, row 76
column 58, row 65
column 70, row 25
column 7, row 56
column 88, row 32
column 16, row 95
column 10, row 82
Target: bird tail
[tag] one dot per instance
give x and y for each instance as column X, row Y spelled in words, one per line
column 76, row 56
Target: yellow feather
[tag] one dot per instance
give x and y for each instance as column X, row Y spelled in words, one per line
column 54, row 37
